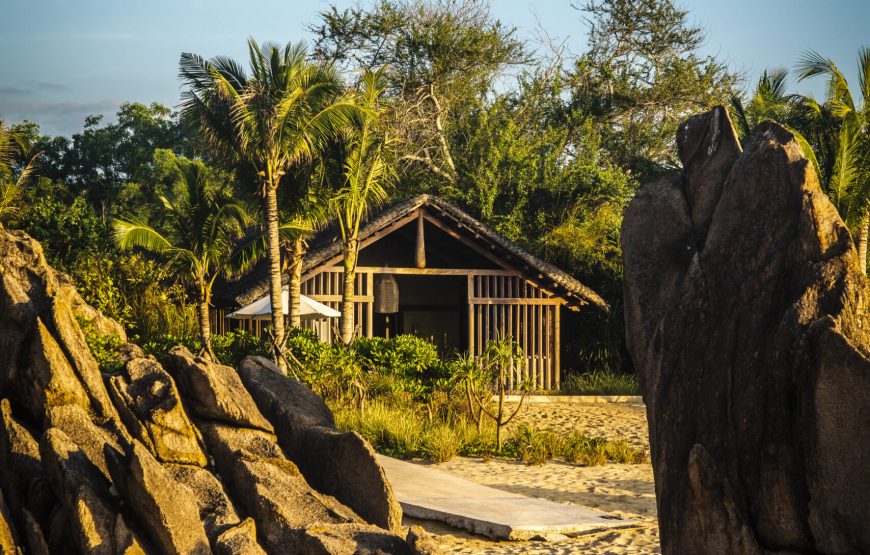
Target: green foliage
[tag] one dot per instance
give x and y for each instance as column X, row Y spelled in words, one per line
column 137, row 292
column 231, row 347
column 600, row 382
column 404, row 356
column 64, row 224
column 104, row 348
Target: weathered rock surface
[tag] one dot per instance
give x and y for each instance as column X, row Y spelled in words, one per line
column 340, row 464
column 85, row 493
column 214, row 390
column 38, row 309
column 748, row 321
column 113, row 464
column 151, row 408
column 166, row 509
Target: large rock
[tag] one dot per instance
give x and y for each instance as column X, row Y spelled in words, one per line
column 151, row 408
column 748, row 321
column 274, row 493
column 40, row 338
column 9, row 542
column 20, row 464
column 94, row 516
column 340, row 464
column 216, row 511
column 215, row 391
column 167, row 510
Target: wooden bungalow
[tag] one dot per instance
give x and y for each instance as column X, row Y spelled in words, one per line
column 459, row 283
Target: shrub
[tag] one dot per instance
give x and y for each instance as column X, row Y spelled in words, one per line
column 601, row 383
column 231, row 347
column 535, row 446
column 104, row 348
column 390, row 431
column 442, row 442
column 403, row 355
column 585, row 451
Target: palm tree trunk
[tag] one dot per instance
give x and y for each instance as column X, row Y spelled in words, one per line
column 205, row 329
column 297, row 257
column 272, row 236
column 204, row 322
column 864, row 242
column 347, row 294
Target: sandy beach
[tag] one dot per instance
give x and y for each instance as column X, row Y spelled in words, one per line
column 625, row 490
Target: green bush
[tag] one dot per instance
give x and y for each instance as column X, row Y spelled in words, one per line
column 231, row 347
column 601, row 383
column 404, row 355
column 104, row 348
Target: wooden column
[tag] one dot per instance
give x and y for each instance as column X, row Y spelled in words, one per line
column 370, row 315
column 420, row 251
column 470, row 316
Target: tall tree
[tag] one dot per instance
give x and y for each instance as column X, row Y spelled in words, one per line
column 441, row 55
column 847, row 181
column 203, row 221
column 641, row 75
column 274, row 119
column 366, row 172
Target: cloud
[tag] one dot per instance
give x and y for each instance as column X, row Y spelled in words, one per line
column 7, row 90
column 46, row 86
column 57, row 118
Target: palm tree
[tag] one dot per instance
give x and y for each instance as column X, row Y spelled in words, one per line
column 366, row 173
column 202, row 222
column 768, row 101
column 276, row 118
column 11, row 147
column 846, row 174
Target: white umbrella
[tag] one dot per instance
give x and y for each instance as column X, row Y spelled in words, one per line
column 261, row 309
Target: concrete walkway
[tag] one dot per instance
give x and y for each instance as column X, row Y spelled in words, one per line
column 435, row 495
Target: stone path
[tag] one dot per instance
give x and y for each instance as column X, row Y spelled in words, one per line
column 434, row 495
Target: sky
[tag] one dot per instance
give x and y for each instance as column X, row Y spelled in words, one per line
column 62, row 60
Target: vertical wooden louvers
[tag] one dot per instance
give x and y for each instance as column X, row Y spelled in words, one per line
column 505, row 303
column 326, row 287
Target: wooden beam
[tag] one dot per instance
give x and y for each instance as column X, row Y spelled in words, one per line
column 337, row 298
column 468, row 242
column 515, row 301
column 373, row 238
column 433, row 271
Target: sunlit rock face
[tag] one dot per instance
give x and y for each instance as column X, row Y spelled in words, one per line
column 154, row 459
column 748, row 321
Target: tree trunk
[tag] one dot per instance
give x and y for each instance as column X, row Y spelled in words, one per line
column 347, row 294
column 272, row 236
column 864, row 242
column 205, row 330
column 297, row 252
column 499, row 421
column 205, row 324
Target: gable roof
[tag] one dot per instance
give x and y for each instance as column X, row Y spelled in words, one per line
column 326, row 246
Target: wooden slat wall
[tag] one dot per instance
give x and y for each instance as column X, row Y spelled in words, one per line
column 510, row 305
column 326, row 287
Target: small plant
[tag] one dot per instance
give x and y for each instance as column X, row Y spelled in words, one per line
column 104, row 348
column 535, row 446
column 503, row 357
column 442, row 442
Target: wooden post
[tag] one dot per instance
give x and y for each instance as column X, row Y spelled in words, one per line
column 420, row 251
column 470, row 316
column 557, row 309
column 370, row 305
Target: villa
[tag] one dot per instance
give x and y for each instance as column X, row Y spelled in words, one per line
column 429, row 269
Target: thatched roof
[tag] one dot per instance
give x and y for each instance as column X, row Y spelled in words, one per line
column 326, row 246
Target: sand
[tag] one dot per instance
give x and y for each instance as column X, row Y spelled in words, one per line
column 625, row 490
